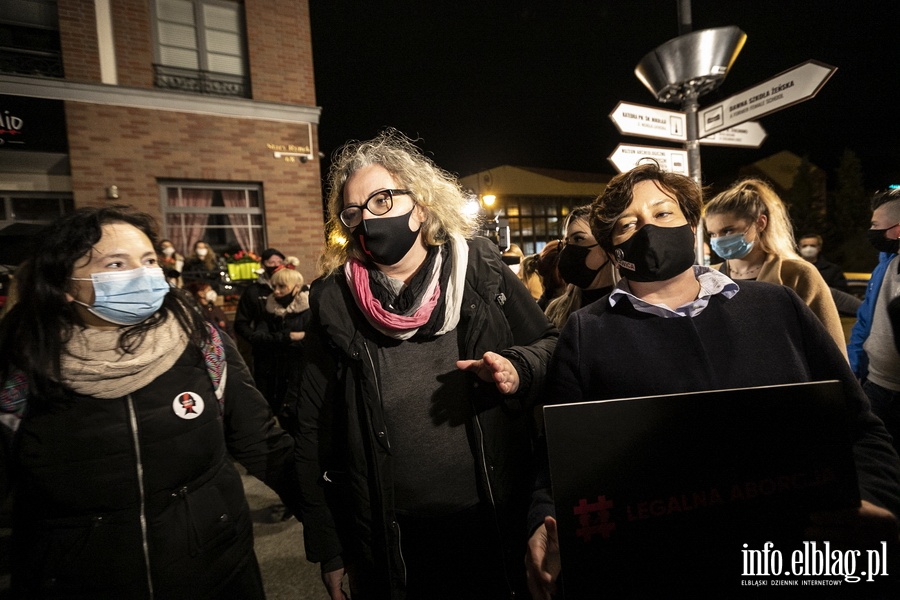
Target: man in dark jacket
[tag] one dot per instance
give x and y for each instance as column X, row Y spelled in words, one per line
column 811, row 249
column 251, row 313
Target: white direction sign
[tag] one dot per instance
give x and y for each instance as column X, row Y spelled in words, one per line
column 794, row 85
column 747, row 135
column 647, row 121
column 626, row 157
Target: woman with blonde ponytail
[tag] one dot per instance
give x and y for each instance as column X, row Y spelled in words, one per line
column 750, row 229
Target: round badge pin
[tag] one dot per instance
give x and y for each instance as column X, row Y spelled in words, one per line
column 188, row 405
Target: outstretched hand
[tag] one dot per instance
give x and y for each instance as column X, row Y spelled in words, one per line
column 493, row 368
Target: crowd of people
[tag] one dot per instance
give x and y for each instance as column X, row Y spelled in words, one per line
column 394, row 404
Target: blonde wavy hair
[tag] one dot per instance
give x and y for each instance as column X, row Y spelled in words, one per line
column 750, row 198
column 434, row 189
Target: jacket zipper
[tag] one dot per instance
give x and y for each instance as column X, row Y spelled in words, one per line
column 139, row 467
column 489, row 484
column 393, row 524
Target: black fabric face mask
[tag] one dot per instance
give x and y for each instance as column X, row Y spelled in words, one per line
column 285, row 301
column 881, row 243
column 656, row 253
column 386, row 241
column 572, row 267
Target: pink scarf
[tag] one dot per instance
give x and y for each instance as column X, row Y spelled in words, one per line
column 358, row 277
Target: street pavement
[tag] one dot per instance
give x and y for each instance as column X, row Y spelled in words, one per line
column 287, row 575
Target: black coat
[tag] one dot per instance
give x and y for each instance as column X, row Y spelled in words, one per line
column 251, row 311
column 344, row 449
column 280, row 358
column 764, row 335
column 116, row 495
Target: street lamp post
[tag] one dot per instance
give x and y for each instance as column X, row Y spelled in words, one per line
column 682, row 70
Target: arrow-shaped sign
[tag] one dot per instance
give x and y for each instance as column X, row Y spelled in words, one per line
column 626, row 157
column 747, row 135
column 647, row 121
column 794, row 85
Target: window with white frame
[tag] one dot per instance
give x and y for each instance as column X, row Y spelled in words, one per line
column 228, row 217
column 200, row 46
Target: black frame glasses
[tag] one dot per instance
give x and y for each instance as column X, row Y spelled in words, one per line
column 352, row 216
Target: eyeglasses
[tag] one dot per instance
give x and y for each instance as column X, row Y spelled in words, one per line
column 379, row 203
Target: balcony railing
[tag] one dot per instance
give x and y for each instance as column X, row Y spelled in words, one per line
column 30, row 62
column 201, row 82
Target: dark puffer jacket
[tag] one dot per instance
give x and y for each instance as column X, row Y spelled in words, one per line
column 127, row 498
column 343, row 446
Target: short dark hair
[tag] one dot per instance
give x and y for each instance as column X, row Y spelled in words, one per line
column 619, row 194
column 818, row 238
column 885, row 196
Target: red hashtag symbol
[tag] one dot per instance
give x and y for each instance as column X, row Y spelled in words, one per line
column 594, row 518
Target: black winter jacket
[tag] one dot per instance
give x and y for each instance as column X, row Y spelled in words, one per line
column 118, row 497
column 251, row 311
column 344, row 449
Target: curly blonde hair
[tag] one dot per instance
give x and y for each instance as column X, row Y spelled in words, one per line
column 434, row 189
column 750, row 198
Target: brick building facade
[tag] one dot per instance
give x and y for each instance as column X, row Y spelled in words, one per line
column 199, row 112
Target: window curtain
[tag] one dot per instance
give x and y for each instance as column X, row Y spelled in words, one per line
column 240, row 223
column 193, row 224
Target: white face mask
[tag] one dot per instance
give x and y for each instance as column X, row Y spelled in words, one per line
column 168, row 250
column 809, row 251
column 211, row 296
column 202, row 252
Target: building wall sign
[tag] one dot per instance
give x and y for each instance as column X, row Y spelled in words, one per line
column 32, row 124
column 293, row 152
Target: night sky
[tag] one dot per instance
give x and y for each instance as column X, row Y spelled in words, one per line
column 532, row 83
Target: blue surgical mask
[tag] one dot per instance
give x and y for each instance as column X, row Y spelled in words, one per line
column 731, row 246
column 127, row 297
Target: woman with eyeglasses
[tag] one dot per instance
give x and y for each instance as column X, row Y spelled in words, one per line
column 425, row 356
column 123, row 412
column 583, row 265
column 750, row 229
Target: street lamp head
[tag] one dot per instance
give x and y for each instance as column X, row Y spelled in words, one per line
column 691, row 64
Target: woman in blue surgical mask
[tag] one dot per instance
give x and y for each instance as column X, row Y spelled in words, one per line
column 750, row 229
column 121, row 410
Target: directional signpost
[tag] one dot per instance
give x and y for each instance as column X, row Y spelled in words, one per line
column 626, row 157
column 747, row 135
column 794, row 85
column 724, row 124
column 647, row 121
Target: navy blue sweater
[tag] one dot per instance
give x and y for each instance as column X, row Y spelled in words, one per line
column 764, row 335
